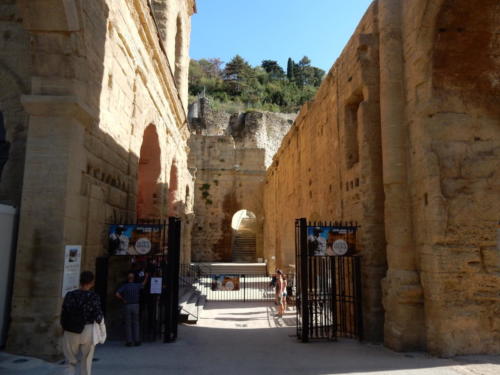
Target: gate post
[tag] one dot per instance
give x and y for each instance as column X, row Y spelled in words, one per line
column 172, row 294
column 304, row 278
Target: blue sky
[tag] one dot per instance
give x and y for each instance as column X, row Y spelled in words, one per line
column 274, row 29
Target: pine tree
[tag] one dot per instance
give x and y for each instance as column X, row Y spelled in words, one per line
column 289, row 69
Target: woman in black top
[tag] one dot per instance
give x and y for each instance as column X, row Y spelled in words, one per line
column 81, row 308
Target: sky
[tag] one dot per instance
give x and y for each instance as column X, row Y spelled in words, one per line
column 274, row 29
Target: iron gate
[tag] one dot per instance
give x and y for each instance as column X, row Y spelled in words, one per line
column 328, row 286
column 159, row 312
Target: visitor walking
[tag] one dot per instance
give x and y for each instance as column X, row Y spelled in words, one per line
column 130, row 294
column 81, row 308
column 280, row 290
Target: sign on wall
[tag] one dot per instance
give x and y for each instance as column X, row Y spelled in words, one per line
column 135, row 239
column 330, row 240
column 72, row 264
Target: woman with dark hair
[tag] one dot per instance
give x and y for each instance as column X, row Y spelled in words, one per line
column 81, row 308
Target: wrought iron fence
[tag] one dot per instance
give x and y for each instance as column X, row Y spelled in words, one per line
column 328, row 286
column 227, row 287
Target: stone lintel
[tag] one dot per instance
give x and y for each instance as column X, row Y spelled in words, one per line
column 58, row 106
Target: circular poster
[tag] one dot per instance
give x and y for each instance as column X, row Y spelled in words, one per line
column 143, row 246
column 340, row 247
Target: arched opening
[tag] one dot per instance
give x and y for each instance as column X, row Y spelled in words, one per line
column 179, row 39
column 149, row 192
column 173, row 187
column 244, row 239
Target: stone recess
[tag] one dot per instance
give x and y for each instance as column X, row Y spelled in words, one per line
column 403, row 136
column 229, row 154
column 83, row 81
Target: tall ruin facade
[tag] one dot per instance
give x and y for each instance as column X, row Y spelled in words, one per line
column 94, row 101
column 403, row 137
column 229, row 154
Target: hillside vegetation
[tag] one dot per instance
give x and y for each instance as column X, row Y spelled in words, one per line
column 237, row 86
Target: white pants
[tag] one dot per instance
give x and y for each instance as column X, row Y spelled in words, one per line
column 73, row 344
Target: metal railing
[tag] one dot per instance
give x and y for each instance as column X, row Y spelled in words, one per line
column 227, row 287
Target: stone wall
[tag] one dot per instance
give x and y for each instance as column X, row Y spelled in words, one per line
column 228, row 179
column 403, row 137
column 100, row 80
column 229, row 154
column 15, row 70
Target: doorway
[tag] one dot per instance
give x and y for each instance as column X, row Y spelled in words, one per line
column 244, row 238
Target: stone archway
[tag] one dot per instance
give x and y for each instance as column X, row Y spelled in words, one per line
column 148, row 176
column 244, row 236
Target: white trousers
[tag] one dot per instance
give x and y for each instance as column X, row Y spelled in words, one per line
column 73, row 345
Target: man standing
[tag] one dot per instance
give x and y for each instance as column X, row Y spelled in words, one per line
column 81, row 308
column 130, row 294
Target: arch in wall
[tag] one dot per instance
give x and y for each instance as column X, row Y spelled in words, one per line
column 173, row 187
column 244, row 236
column 149, row 189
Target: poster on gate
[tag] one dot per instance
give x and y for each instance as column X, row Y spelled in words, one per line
column 156, row 285
column 135, row 239
column 330, row 240
column 226, row 282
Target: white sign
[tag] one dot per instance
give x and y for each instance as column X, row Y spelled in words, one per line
column 72, row 263
column 143, row 246
column 155, row 285
column 340, row 247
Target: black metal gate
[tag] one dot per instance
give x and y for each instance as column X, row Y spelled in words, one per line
column 328, row 286
column 159, row 312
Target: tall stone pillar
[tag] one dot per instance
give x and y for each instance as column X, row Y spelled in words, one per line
column 50, row 218
column 403, row 299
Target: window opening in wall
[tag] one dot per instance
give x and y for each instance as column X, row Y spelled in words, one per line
column 244, row 239
column 351, row 141
column 4, row 145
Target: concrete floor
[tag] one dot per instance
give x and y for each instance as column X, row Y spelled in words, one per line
column 246, row 338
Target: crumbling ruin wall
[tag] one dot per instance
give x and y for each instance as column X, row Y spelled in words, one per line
column 228, row 179
column 229, row 154
column 419, row 172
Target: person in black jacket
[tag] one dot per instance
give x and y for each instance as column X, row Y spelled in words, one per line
column 81, row 308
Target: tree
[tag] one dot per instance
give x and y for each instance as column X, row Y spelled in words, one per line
column 273, row 69
column 236, row 75
column 290, row 69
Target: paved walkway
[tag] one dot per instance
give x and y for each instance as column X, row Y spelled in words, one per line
column 245, row 338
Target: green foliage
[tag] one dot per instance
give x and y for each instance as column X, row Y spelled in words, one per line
column 240, row 87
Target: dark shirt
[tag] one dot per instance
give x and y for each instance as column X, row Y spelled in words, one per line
column 82, row 303
column 131, row 293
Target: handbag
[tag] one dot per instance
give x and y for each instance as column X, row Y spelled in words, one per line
column 99, row 333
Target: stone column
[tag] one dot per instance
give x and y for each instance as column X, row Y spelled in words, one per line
column 50, row 217
column 403, row 300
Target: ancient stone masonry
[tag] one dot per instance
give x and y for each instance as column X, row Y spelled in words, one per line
column 229, row 154
column 93, row 94
column 403, row 136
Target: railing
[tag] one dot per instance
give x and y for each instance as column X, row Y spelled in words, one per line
column 227, row 287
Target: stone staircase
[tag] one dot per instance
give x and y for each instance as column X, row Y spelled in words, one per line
column 244, row 247
column 191, row 303
column 232, row 268
column 244, row 243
